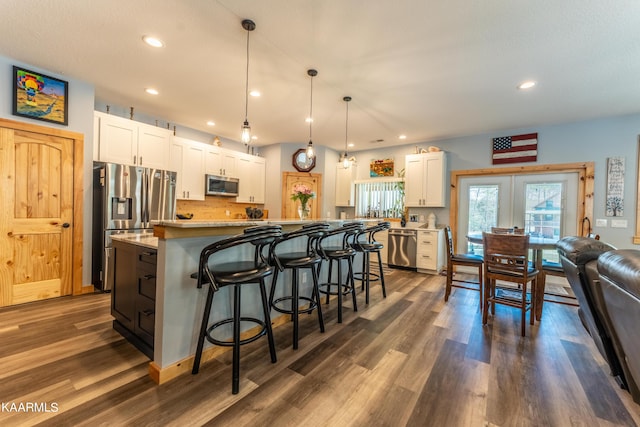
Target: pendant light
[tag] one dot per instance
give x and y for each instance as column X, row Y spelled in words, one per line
column 245, row 137
column 345, row 161
column 310, row 153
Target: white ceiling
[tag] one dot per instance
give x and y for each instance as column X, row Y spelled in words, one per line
column 430, row 69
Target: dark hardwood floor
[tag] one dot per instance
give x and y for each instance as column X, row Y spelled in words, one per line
column 409, row 359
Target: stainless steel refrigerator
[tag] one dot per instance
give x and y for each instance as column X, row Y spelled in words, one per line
column 125, row 200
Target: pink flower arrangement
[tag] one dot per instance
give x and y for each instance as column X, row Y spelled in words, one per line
column 303, row 193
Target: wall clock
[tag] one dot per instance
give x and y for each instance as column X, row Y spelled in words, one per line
column 301, row 162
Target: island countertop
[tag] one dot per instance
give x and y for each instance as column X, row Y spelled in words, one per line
column 174, row 229
column 141, row 239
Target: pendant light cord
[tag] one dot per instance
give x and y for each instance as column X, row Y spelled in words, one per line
column 246, row 91
column 311, row 110
column 346, row 130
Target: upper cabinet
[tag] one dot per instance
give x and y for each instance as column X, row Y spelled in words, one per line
column 251, row 173
column 187, row 158
column 425, row 177
column 219, row 161
column 125, row 141
column 345, row 184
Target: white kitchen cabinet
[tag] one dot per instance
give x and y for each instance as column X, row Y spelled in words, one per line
column 250, row 171
column 425, row 178
column 430, row 251
column 153, row 146
column 345, row 184
column 129, row 142
column 187, row 158
column 219, row 161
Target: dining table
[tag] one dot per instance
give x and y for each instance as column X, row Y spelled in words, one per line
column 537, row 244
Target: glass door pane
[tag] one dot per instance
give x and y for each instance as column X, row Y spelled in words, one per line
column 483, row 212
column 546, row 206
column 485, row 202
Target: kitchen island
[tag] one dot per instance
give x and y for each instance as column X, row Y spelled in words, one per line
column 179, row 304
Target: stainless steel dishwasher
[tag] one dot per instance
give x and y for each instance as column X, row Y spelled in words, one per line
column 402, row 248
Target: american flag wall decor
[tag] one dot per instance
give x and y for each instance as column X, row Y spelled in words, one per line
column 515, row 149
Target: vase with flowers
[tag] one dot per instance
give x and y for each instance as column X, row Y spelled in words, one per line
column 302, row 193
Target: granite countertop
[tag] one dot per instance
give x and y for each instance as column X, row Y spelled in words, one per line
column 174, row 229
column 146, row 239
column 246, row 222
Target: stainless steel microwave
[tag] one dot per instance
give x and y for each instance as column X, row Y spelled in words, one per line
column 216, row 185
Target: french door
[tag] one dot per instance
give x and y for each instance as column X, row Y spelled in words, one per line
column 544, row 204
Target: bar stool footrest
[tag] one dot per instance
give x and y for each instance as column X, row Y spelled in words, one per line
column 260, row 333
column 360, row 276
column 325, row 288
column 312, row 305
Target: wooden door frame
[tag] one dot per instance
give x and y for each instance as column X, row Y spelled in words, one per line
column 78, row 190
column 586, row 178
column 285, row 191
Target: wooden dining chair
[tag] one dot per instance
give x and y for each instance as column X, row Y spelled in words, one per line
column 502, row 230
column 507, row 230
column 506, row 258
column 467, row 260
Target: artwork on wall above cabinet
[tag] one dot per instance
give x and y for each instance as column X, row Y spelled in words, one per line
column 381, row 168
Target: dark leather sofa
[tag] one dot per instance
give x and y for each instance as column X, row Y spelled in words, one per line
column 619, row 272
column 579, row 259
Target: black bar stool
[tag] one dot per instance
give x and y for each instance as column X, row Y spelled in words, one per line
column 333, row 252
column 365, row 242
column 307, row 258
column 237, row 273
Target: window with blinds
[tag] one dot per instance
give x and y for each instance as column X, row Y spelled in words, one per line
column 381, row 198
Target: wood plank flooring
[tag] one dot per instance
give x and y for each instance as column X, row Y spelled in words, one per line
column 409, row 359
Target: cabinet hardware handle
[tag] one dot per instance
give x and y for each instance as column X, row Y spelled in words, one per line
column 147, row 313
column 66, row 225
column 149, row 253
column 149, row 277
column 134, row 160
column 140, row 160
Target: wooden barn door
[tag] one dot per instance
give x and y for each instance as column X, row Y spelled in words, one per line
column 36, row 225
column 311, row 180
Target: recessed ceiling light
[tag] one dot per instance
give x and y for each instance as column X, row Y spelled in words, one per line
column 402, row 137
column 151, row 91
column 308, row 120
column 527, row 85
column 351, row 144
column 255, row 93
column 152, row 41
column 211, row 123
column 254, row 137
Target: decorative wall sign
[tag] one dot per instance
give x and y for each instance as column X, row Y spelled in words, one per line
column 381, row 168
column 40, row 97
column 615, row 186
column 515, row 149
